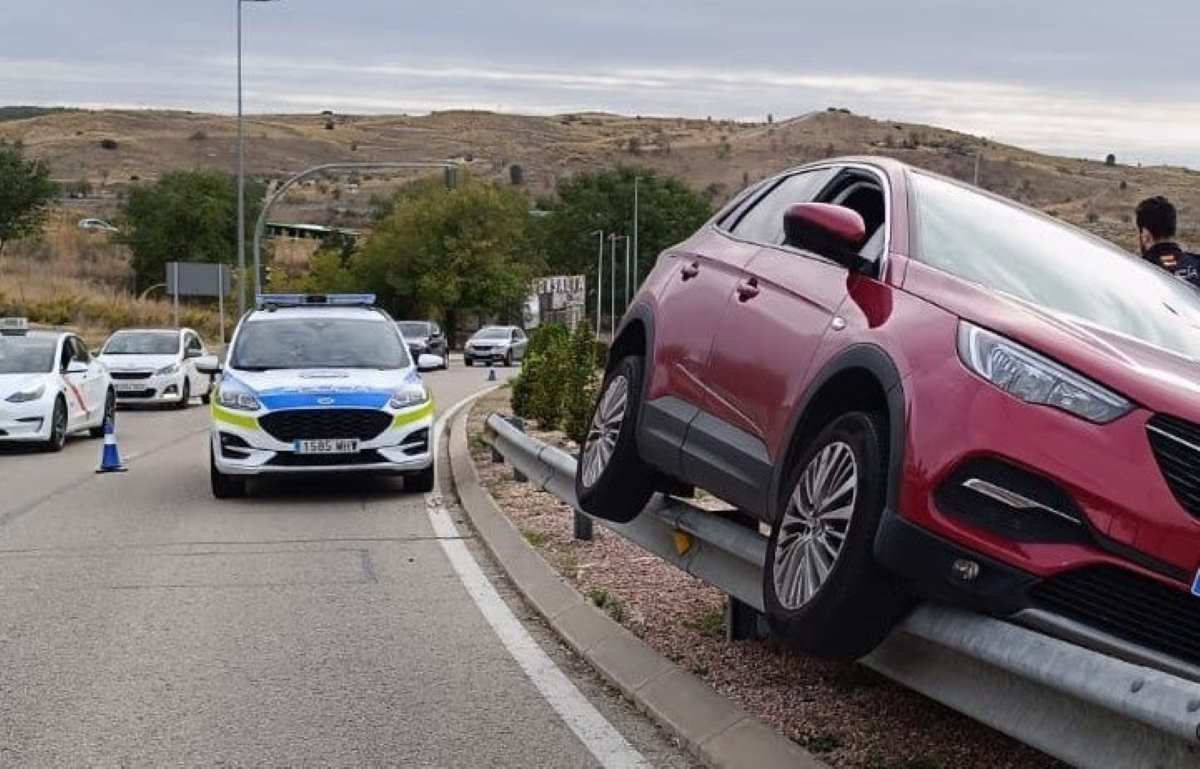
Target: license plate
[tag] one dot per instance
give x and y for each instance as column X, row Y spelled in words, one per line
column 129, row 388
column 326, row 446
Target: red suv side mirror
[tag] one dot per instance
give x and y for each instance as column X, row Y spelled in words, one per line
column 832, row 231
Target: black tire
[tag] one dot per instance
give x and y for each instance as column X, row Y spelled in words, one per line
column 856, row 605
column 508, row 359
column 58, row 428
column 224, row 486
column 467, row 362
column 625, row 484
column 185, row 397
column 110, row 412
column 420, row 481
column 206, row 398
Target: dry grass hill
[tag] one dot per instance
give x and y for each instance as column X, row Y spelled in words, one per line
column 113, row 149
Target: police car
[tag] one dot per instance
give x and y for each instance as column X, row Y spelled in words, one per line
column 318, row 384
column 50, row 386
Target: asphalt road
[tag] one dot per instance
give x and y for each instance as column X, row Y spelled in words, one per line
column 320, row 623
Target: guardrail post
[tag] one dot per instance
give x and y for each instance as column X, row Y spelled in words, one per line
column 518, row 423
column 742, row 621
column 583, row 527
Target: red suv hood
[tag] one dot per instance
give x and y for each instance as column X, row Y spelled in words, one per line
column 1152, row 377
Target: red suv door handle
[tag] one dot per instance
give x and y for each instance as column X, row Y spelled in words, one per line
column 690, row 271
column 747, row 290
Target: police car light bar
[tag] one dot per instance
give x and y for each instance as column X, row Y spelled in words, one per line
column 315, row 300
column 14, row 326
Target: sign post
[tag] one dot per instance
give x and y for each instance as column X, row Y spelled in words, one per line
column 199, row 279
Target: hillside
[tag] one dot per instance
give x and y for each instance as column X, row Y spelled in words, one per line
column 715, row 157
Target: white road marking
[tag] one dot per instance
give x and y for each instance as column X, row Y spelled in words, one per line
column 600, row 737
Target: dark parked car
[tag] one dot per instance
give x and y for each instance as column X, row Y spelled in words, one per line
column 425, row 337
column 925, row 390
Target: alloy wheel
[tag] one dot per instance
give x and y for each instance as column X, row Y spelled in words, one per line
column 601, row 440
column 815, row 525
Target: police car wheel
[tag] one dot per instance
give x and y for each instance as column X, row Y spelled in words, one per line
column 58, row 427
column 224, row 486
column 420, row 481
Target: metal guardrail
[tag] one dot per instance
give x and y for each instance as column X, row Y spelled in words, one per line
column 1078, row 705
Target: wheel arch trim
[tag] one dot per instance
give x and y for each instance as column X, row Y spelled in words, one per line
column 876, row 362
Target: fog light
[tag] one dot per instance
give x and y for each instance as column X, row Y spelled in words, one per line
column 964, row 570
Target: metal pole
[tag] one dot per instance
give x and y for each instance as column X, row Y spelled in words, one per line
column 978, row 160
column 612, row 289
column 274, row 197
column 637, row 276
column 221, row 299
column 627, row 242
column 599, row 282
column 241, row 176
column 175, row 265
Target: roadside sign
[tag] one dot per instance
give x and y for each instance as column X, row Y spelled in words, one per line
column 560, row 299
column 198, row 279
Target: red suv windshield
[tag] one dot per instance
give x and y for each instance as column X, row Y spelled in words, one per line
column 1035, row 258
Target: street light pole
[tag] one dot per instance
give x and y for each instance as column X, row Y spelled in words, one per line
column 612, row 288
column 599, row 280
column 637, row 276
column 627, row 243
column 241, row 177
column 241, row 173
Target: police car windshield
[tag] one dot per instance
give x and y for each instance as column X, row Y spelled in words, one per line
column 142, row 343
column 26, row 355
column 412, row 329
column 493, row 332
column 295, row 343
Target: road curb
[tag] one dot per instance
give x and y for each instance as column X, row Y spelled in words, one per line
column 708, row 724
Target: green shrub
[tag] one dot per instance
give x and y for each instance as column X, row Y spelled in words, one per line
column 548, row 384
column 522, row 387
column 579, row 394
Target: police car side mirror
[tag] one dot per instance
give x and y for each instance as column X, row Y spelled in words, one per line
column 208, row 364
column 430, row 362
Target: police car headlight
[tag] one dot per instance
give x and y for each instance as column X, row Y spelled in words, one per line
column 27, row 395
column 234, row 398
column 408, row 396
column 167, row 369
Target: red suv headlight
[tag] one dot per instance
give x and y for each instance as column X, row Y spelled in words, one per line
column 1033, row 378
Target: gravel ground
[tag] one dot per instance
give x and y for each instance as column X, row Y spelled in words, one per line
column 844, row 713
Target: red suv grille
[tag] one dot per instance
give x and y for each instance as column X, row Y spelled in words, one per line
column 1176, row 445
column 287, row 426
column 1129, row 606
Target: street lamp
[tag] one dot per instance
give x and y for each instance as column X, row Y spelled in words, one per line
column 241, row 169
column 612, row 288
column 599, row 279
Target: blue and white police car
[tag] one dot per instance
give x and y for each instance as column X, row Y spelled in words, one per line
column 319, row 384
column 50, row 386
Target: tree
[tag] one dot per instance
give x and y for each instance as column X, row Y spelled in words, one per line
column 186, row 216
column 25, row 191
column 668, row 212
column 444, row 251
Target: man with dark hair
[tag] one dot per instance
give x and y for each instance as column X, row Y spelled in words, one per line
column 1156, row 223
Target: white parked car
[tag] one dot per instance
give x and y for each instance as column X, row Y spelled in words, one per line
column 96, row 225
column 50, row 386
column 496, row 344
column 156, row 366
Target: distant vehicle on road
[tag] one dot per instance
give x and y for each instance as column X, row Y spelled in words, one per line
column 156, row 366
column 96, row 225
column 319, row 384
column 50, row 386
column 924, row 389
column 496, row 344
column 425, row 337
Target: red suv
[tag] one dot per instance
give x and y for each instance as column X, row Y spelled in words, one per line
column 925, row 390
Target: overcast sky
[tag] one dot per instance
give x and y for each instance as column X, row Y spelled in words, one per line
column 1078, row 77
